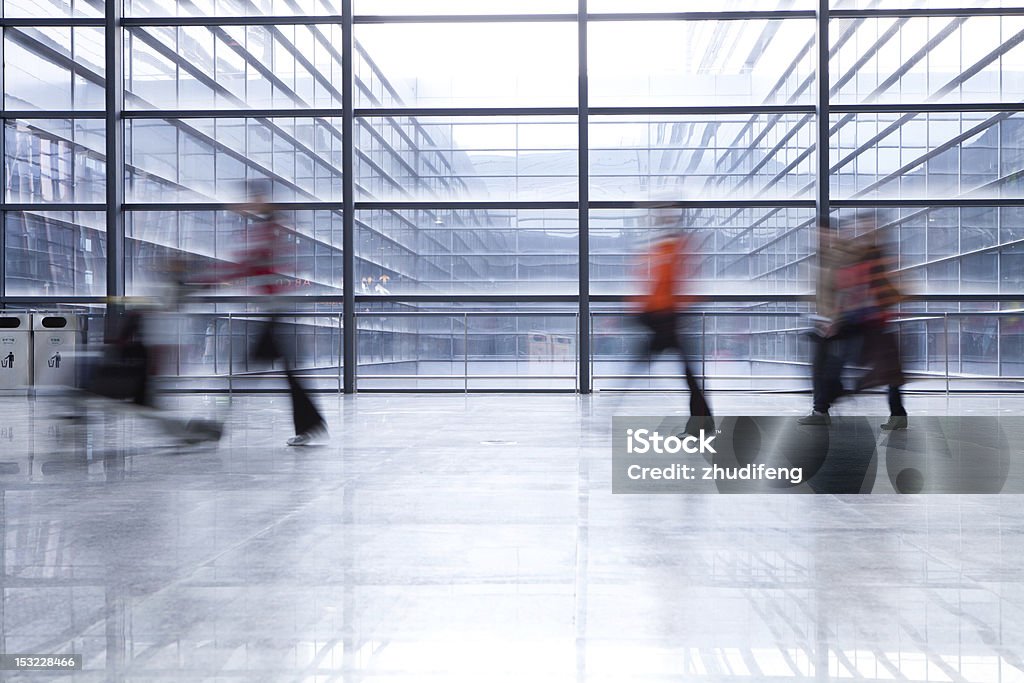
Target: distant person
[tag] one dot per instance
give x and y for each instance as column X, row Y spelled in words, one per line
column 659, row 311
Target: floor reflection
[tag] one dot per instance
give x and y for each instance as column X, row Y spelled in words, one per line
column 452, row 538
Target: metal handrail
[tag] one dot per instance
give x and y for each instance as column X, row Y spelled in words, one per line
column 334, row 319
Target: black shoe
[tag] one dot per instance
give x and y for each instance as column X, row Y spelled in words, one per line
column 895, row 422
column 815, row 418
column 199, row 430
column 696, row 423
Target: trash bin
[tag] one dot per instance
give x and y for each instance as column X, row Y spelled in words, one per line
column 54, row 338
column 14, row 347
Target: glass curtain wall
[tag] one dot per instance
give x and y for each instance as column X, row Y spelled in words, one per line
column 468, row 210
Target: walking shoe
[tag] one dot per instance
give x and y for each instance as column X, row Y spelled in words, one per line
column 698, row 423
column 895, row 422
column 300, row 439
column 307, row 437
column 815, row 418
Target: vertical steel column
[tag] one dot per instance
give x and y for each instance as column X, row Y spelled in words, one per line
column 821, row 198
column 114, row 55
column 945, row 339
column 348, row 217
column 3, row 190
column 584, row 202
column 821, row 195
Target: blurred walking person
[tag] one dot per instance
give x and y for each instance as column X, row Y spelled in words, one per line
column 856, row 297
column 832, row 345
column 668, row 271
column 260, row 263
column 870, row 298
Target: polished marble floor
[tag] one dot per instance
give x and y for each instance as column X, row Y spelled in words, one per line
column 475, row 538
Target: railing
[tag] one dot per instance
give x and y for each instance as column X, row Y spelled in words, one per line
column 559, row 371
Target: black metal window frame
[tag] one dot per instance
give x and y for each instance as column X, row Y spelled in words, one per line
column 114, row 115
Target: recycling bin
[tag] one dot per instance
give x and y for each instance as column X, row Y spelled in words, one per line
column 15, row 332
column 54, row 339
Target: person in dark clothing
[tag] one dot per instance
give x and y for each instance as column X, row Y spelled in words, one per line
column 857, row 297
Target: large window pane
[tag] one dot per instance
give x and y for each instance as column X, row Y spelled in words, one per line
column 211, row 242
column 431, row 65
column 51, row 253
column 951, row 250
column 616, row 6
column 977, row 155
column 921, row 4
column 196, row 67
column 701, row 157
column 467, row 158
column 928, row 59
column 53, row 8
column 202, row 159
column 465, row 7
column 473, row 350
column 662, row 63
column 230, row 8
column 730, row 251
column 55, row 160
column 53, row 68
column 490, row 250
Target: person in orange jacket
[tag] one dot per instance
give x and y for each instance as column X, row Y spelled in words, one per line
column 667, row 270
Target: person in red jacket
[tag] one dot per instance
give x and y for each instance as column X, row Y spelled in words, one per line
column 667, row 270
column 261, row 263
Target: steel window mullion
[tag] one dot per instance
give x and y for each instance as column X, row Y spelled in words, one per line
column 767, row 203
column 821, row 198
column 224, row 206
column 570, row 299
column 246, row 114
column 254, row 20
column 928, row 108
column 114, row 98
column 462, row 18
column 349, row 331
column 738, row 15
column 910, row 13
column 997, row 202
column 465, row 206
column 53, row 206
column 52, row 22
column 583, row 209
column 704, row 110
column 3, row 170
column 53, row 114
column 392, row 112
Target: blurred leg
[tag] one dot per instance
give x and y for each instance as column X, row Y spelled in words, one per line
column 896, row 402
column 305, row 415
